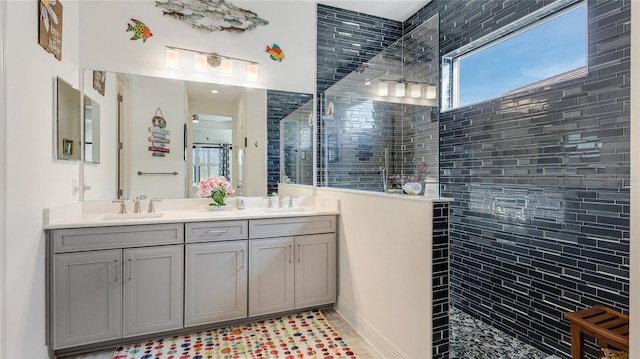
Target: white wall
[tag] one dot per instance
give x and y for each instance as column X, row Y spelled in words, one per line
column 106, row 46
column 170, row 97
column 34, row 179
column 384, row 268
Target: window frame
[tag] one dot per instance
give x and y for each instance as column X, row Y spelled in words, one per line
column 450, row 64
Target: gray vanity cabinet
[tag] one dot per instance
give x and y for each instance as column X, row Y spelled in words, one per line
column 295, row 271
column 216, row 282
column 153, row 289
column 87, row 297
column 315, row 273
column 113, row 282
column 271, row 273
column 215, row 271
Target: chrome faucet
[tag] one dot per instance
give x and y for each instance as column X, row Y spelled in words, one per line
column 123, row 206
column 152, row 208
column 136, row 204
column 268, row 198
column 280, row 200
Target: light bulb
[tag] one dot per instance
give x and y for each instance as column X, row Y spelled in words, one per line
column 173, row 58
column 383, row 89
column 415, row 90
column 226, row 68
column 400, row 90
column 200, row 63
column 252, row 72
column 431, row 92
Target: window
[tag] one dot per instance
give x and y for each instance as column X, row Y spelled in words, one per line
column 545, row 47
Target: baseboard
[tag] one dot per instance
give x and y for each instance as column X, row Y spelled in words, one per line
column 380, row 345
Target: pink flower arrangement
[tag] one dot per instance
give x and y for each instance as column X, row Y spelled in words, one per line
column 218, row 188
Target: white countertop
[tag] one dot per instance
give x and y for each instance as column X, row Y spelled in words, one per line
column 105, row 213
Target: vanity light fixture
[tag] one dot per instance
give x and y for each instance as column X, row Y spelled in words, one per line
column 252, row 72
column 383, row 89
column 226, row 68
column 172, row 58
column 200, row 63
column 202, row 59
column 415, row 90
column 400, row 89
column 431, row 92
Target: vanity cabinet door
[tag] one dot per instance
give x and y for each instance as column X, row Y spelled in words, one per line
column 216, row 282
column 271, row 275
column 153, row 289
column 87, row 297
column 315, row 273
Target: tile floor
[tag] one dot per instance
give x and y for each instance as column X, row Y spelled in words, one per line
column 470, row 339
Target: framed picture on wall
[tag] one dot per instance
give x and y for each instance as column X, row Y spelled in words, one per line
column 50, row 26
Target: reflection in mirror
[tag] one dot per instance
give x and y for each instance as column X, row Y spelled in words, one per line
column 91, row 130
column 67, row 121
column 296, row 147
column 208, row 130
column 283, row 108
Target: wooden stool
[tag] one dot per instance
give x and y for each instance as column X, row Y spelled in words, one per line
column 605, row 324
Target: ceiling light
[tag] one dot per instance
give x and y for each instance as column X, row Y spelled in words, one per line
column 415, row 90
column 226, row 68
column 400, row 89
column 200, row 63
column 383, row 89
column 252, row 72
column 431, row 92
column 214, row 91
column 172, row 58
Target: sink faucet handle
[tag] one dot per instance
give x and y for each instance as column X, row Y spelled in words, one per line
column 152, row 208
column 281, row 199
column 291, row 200
column 136, row 204
column 268, row 198
column 123, row 206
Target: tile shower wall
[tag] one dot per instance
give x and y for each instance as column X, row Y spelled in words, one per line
column 354, row 138
column 440, row 281
column 540, row 182
column 279, row 105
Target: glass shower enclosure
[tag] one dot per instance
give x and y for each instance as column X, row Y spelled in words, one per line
column 378, row 127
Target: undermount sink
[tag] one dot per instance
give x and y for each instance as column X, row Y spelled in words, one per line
column 107, row 217
column 284, row 209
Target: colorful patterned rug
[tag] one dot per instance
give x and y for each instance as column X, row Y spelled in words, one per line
column 304, row 335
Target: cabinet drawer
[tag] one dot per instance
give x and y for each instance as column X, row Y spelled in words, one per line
column 83, row 239
column 277, row 227
column 216, row 231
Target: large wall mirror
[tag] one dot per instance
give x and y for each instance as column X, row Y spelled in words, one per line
column 161, row 136
column 68, row 116
column 91, row 130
